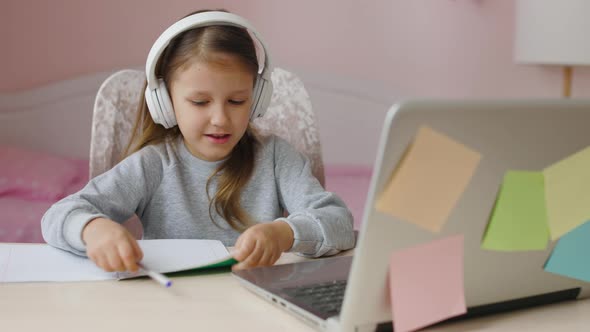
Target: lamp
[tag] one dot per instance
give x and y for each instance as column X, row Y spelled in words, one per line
column 553, row 32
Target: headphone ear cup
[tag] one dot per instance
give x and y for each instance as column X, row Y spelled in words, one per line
column 151, row 100
column 262, row 95
column 167, row 111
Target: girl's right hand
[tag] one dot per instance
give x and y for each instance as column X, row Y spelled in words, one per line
column 110, row 246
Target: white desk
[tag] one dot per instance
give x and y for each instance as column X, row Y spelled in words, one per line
column 570, row 316
column 209, row 302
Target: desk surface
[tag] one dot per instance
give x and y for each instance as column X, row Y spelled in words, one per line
column 210, row 302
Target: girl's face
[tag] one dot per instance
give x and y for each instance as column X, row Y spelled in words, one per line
column 212, row 105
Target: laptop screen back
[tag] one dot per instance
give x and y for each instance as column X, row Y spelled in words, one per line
column 527, row 135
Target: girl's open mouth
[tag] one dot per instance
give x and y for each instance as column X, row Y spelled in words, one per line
column 218, row 138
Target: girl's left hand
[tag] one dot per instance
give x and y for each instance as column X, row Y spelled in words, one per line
column 262, row 244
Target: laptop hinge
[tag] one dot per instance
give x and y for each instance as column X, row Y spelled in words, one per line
column 487, row 309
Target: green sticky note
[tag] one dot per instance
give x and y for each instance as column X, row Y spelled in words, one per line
column 570, row 255
column 567, row 191
column 519, row 219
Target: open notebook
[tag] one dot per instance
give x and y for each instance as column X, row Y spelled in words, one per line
column 41, row 262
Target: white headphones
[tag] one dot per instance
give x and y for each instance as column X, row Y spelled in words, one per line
column 156, row 95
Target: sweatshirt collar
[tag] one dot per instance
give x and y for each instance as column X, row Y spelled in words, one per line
column 202, row 167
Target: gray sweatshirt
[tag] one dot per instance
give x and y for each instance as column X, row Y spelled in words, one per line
column 165, row 185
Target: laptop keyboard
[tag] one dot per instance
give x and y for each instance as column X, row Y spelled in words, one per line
column 325, row 297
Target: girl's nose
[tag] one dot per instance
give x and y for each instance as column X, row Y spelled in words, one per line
column 219, row 115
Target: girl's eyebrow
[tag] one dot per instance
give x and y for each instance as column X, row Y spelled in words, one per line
column 198, row 93
column 241, row 91
column 206, row 93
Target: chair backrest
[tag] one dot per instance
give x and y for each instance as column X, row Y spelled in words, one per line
column 289, row 116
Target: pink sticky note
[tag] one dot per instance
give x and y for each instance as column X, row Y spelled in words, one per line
column 426, row 283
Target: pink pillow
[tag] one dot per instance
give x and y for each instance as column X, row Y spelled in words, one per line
column 35, row 175
column 20, row 220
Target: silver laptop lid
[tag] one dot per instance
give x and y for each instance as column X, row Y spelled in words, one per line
column 510, row 135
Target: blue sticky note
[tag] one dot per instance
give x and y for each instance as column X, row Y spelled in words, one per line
column 570, row 255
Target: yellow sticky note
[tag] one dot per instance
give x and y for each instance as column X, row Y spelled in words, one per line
column 429, row 180
column 567, row 193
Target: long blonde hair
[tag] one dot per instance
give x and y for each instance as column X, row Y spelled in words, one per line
column 233, row 174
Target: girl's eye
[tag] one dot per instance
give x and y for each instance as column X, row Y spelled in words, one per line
column 236, row 102
column 199, row 102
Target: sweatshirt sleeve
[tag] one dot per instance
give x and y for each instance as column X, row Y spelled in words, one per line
column 116, row 194
column 321, row 222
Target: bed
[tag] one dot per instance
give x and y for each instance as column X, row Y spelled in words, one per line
column 45, row 140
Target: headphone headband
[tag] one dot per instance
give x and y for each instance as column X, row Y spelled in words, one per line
column 194, row 21
column 157, row 97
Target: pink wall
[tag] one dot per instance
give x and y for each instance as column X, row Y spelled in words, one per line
column 61, row 39
column 6, row 42
column 443, row 48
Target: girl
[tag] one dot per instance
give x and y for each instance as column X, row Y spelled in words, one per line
column 195, row 167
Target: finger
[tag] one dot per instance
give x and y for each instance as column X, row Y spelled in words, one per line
column 244, row 249
column 92, row 256
column 100, row 261
column 276, row 254
column 276, row 257
column 127, row 254
column 137, row 249
column 254, row 257
column 239, row 240
column 266, row 258
column 246, row 261
column 114, row 261
column 240, row 266
column 237, row 267
column 104, row 264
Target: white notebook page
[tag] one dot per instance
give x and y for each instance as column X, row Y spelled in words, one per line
column 41, row 262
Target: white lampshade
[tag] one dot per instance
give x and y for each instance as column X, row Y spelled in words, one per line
column 552, row 32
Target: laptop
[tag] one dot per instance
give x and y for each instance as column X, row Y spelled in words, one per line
column 350, row 293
